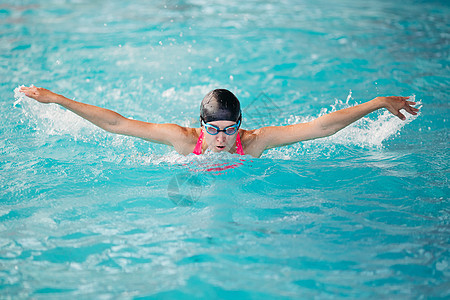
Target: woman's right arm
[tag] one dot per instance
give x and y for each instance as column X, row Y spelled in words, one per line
column 169, row 134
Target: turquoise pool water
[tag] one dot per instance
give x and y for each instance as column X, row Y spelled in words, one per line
column 87, row 214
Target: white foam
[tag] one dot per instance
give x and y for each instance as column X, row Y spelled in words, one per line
column 370, row 131
column 51, row 118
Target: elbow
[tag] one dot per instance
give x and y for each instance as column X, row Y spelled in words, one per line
column 326, row 133
column 115, row 126
column 329, row 131
column 325, row 130
column 111, row 129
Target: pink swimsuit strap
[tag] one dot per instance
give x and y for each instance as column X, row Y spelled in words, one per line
column 198, row 147
column 239, row 149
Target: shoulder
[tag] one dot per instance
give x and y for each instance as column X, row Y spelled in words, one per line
column 256, row 135
column 253, row 141
column 184, row 139
column 256, row 141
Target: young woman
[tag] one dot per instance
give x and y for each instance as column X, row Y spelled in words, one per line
column 220, row 117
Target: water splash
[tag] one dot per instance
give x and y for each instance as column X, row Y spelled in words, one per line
column 370, row 131
column 51, row 119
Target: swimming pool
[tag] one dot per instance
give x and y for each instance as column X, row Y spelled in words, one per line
column 362, row 214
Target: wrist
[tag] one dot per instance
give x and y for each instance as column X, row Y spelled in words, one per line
column 379, row 102
column 59, row 99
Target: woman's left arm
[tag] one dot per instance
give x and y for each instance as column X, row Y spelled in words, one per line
column 329, row 124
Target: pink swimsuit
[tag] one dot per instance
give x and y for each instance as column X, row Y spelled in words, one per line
column 198, row 147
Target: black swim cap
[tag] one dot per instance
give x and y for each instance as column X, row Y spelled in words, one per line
column 220, row 105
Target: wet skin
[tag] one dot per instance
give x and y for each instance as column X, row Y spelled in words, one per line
column 221, row 141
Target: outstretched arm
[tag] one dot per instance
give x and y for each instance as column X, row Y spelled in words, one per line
column 329, row 124
column 169, row 134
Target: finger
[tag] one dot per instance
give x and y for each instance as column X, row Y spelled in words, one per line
column 29, row 92
column 409, row 109
column 401, row 116
column 26, row 89
column 411, row 103
column 400, row 98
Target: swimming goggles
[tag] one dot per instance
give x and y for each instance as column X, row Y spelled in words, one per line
column 214, row 130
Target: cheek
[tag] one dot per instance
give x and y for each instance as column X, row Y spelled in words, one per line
column 230, row 139
column 209, row 138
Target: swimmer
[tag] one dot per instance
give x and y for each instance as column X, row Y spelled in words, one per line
column 221, row 120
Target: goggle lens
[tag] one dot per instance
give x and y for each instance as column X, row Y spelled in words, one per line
column 211, row 130
column 230, row 130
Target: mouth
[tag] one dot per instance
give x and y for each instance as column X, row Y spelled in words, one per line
column 220, row 148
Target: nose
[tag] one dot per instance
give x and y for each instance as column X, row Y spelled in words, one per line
column 221, row 137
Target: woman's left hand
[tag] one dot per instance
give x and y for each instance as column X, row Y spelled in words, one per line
column 395, row 104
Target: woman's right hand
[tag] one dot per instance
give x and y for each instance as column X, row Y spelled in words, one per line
column 40, row 94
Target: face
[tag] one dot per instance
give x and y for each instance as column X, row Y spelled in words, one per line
column 221, row 141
